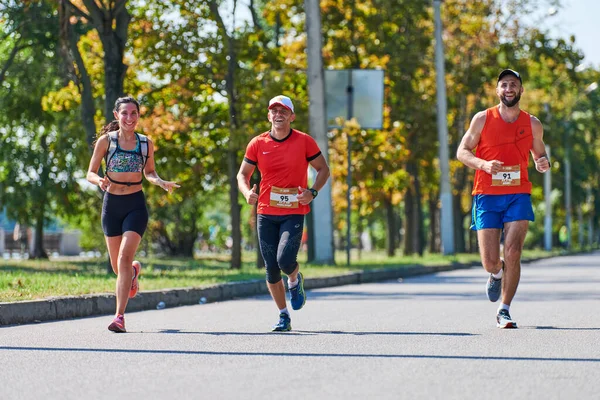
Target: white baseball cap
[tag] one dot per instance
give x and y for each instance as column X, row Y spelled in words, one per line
column 282, row 100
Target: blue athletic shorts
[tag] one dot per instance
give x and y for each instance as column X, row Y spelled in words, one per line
column 493, row 211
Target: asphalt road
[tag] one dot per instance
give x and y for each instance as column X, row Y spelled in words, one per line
column 428, row 337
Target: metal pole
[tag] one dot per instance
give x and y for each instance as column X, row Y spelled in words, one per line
column 322, row 212
column 590, row 218
column 580, row 227
column 350, row 91
column 548, row 216
column 568, row 191
column 447, row 224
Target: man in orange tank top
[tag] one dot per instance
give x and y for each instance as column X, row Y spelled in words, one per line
column 502, row 137
column 282, row 156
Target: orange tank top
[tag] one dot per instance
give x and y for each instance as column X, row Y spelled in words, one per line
column 509, row 143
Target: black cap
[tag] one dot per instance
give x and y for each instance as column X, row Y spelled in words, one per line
column 510, row 72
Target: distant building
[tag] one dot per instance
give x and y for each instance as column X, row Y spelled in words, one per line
column 57, row 239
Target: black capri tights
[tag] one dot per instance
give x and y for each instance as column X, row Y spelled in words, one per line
column 124, row 213
column 280, row 237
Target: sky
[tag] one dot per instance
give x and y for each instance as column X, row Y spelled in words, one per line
column 582, row 19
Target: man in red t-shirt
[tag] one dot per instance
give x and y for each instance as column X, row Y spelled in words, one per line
column 503, row 137
column 282, row 156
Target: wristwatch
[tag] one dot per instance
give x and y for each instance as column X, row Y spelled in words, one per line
column 314, row 192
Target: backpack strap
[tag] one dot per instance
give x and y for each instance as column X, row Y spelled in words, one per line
column 143, row 139
column 113, row 142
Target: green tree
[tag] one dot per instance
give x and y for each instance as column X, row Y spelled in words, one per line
column 38, row 163
column 216, row 78
column 392, row 36
column 110, row 19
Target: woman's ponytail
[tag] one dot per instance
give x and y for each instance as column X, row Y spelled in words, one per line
column 110, row 127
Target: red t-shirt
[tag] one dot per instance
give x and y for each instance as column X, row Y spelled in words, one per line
column 507, row 142
column 283, row 165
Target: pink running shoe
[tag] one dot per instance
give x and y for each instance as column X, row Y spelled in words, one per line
column 135, row 286
column 118, row 324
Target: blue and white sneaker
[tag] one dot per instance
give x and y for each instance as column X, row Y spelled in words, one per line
column 297, row 294
column 504, row 320
column 284, row 324
column 493, row 288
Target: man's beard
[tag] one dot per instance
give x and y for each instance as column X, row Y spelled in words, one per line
column 510, row 103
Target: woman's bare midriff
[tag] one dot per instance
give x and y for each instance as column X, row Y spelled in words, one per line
column 118, row 189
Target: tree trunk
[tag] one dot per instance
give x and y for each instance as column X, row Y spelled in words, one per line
column 84, row 84
column 359, row 232
column 38, row 239
column 260, row 262
column 460, row 181
column 186, row 237
column 408, row 218
column 371, row 236
column 112, row 24
column 113, row 43
column 434, row 224
column 186, row 247
column 459, row 230
column 41, row 203
column 70, row 53
column 232, row 161
column 420, row 220
column 413, row 214
column 235, row 210
column 397, row 233
column 392, row 229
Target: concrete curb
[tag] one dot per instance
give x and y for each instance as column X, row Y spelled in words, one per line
column 60, row 308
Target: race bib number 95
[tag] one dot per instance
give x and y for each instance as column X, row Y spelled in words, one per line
column 284, row 197
column 509, row 175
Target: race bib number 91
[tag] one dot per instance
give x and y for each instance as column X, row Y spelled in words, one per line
column 284, row 197
column 509, row 175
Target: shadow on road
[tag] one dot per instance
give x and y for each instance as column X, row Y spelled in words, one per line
column 558, row 329
column 435, row 296
column 299, row 332
column 273, row 354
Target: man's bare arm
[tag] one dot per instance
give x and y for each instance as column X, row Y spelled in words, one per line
column 243, row 179
column 469, row 142
column 538, row 149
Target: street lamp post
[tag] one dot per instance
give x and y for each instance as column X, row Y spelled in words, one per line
column 580, row 222
column 590, row 218
column 447, row 224
column 568, row 188
column 548, row 215
column 350, row 91
column 322, row 250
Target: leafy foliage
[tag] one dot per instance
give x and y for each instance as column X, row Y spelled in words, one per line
column 204, row 72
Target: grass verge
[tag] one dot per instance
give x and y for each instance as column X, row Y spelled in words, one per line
column 38, row 279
